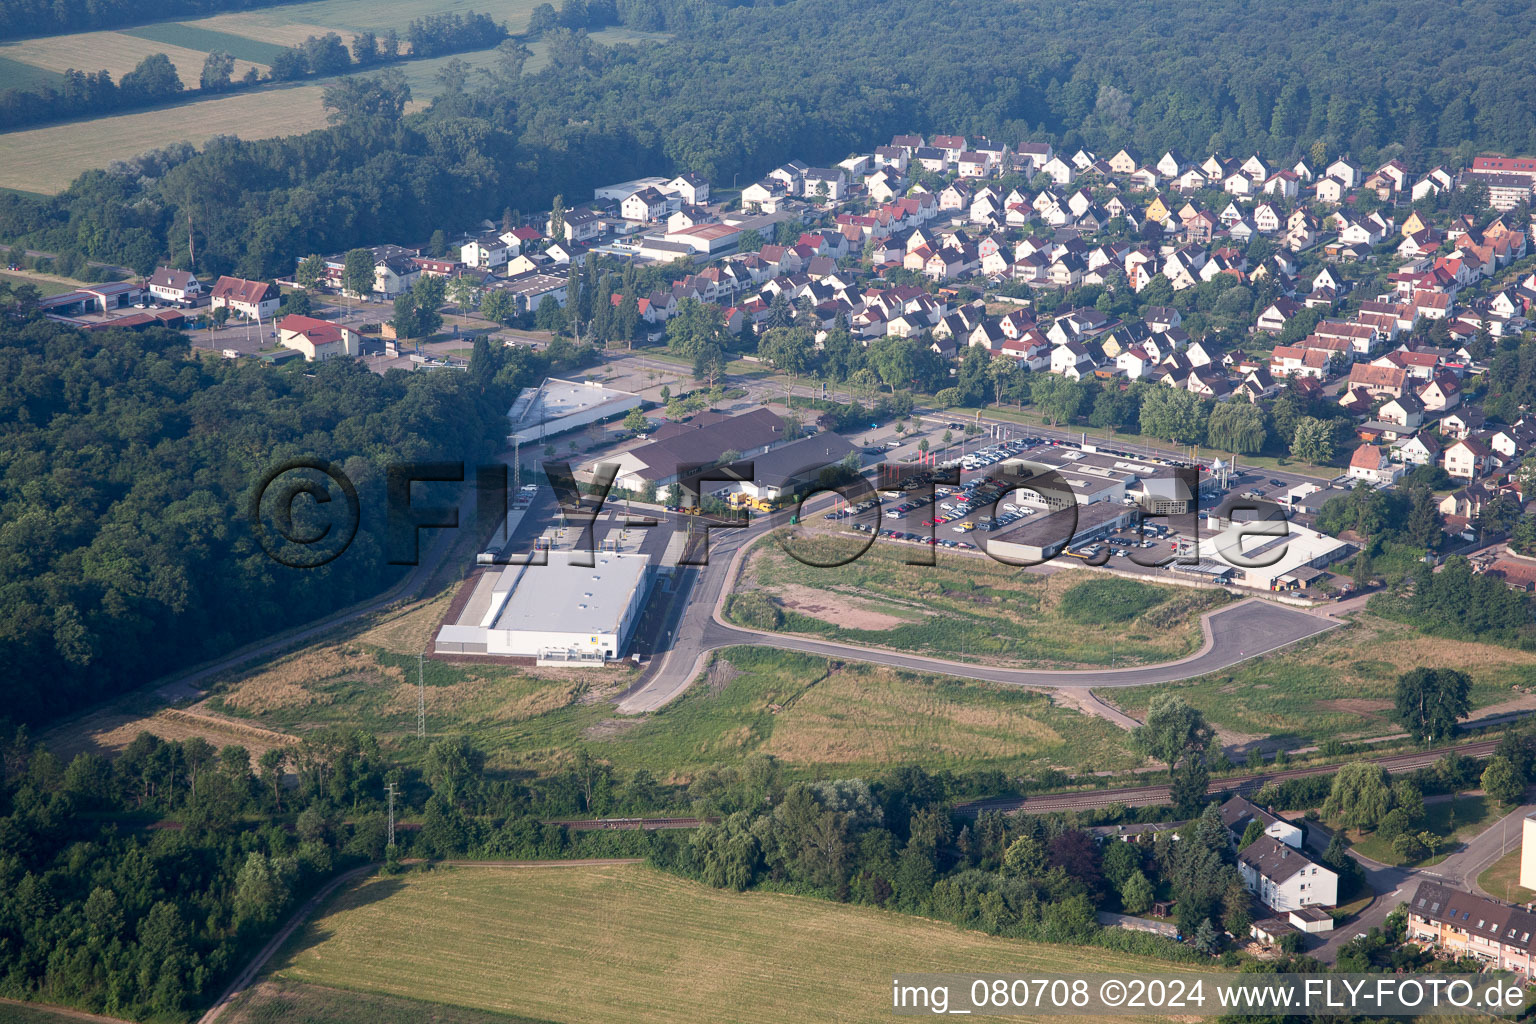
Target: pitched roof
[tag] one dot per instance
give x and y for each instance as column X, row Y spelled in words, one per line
column 238, row 289
column 1274, row 860
column 1510, row 925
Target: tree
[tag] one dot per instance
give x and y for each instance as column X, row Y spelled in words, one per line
column 1207, row 939
column 634, row 421
column 1236, row 427
column 218, row 66
column 462, row 291
column 365, row 48
column 709, row 363
column 1254, row 830
column 153, row 79
column 259, row 891
column 1360, row 796
column 1189, row 781
column 374, row 103
column 1430, row 701
column 1173, row 415
column 357, row 273
column 311, row 272
column 1137, row 894
column 1173, row 730
column 498, row 307
column 549, row 316
column 1502, row 782
column 1313, row 441
column 557, row 217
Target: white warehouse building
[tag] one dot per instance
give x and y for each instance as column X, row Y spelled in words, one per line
column 562, row 613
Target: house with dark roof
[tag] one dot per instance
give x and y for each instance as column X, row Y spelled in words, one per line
column 1461, row 924
column 1284, row 878
column 702, row 440
column 1238, row 812
column 175, row 287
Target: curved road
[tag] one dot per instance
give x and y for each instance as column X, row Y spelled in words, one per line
column 1233, row 634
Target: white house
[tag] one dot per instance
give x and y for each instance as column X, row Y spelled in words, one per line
column 1284, row 878
column 252, row 300
column 177, row 287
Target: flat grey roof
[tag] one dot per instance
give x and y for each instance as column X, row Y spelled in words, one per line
column 556, row 398
column 1050, row 528
column 565, row 598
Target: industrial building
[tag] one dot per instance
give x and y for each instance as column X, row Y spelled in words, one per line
column 699, row 441
column 795, row 467
column 561, row 613
column 1297, row 557
column 1038, row 538
column 557, row 406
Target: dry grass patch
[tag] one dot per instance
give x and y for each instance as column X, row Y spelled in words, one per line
column 874, row 716
column 410, row 630
column 289, row 683
column 108, row 732
column 629, row 943
column 848, row 612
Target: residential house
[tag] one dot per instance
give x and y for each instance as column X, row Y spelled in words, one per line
column 1284, row 878
column 1467, row 459
column 250, row 300
column 1238, row 812
column 643, row 207
column 823, row 183
column 1462, row 925
column 318, row 340
column 692, row 188
column 487, row 252
column 1419, row 450
column 175, row 287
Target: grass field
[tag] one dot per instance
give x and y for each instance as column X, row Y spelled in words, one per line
column 117, row 52
column 1338, row 686
column 1502, row 880
column 288, row 1002
column 602, row 944
column 856, row 718
column 48, row 159
column 47, row 284
column 979, row 609
column 194, row 37
column 1452, row 820
column 16, row 75
column 19, row 1013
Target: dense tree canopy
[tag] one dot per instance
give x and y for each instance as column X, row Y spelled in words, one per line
column 125, row 469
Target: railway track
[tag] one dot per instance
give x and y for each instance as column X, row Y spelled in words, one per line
column 1142, row 796
column 631, row 824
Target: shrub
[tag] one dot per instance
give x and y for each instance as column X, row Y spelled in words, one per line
column 755, row 609
column 1107, row 600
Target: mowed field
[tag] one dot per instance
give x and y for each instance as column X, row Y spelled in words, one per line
column 578, row 944
column 48, row 159
column 116, row 52
column 291, row 23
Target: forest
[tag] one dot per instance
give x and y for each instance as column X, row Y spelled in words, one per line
column 741, row 89
column 126, row 466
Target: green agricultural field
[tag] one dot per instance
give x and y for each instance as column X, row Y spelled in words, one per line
column 46, row 285
column 1340, row 685
column 974, row 608
column 750, row 700
column 288, row 1002
column 194, row 37
column 25, row 1013
column 629, row 943
column 27, row 77
column 48, row 159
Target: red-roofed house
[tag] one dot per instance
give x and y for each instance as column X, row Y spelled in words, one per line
column 252, row 300
column 318, row 340
column 1371, row 464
